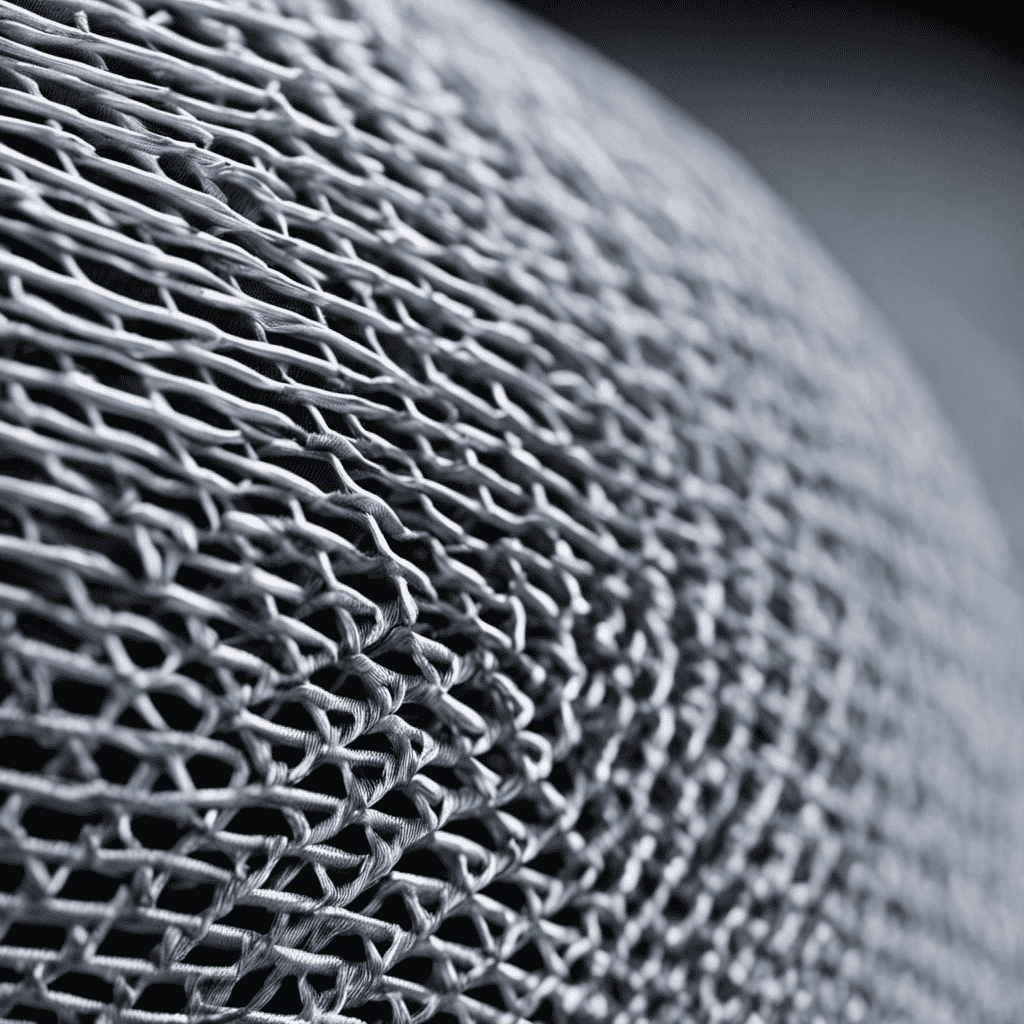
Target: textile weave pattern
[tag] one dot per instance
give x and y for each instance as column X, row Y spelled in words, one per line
column 465, row 555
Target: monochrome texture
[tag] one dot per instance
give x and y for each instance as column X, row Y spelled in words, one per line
column 465, row 554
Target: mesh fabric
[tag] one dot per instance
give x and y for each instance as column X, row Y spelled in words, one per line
column 465, row 555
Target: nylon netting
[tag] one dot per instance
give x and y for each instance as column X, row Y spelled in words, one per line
column 463, row 556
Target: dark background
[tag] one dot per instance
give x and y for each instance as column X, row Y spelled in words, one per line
column 899, row 139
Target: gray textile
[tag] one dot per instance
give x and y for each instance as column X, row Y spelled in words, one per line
column 465, row 554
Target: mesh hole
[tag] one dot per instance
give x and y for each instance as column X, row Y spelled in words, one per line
column 248, row 987
column 116, row 765
column 259, row 821
column 127, row 944
column 34, row 1014
column 422, row 862
column 286, row 1000
column 157, row 833
column 88, row 986
column 372, row 1013
column 162, row 997
column 505, row 892
column 305, row 883
column 349, row 948
column 394, row 911
column 529, row 958
column 79, row 698
column 62, row 826
column 460, row 930
column 253, row 919
column 352, row 840
column 208, row 772
column 474, row 830
column 327, row 779
column 23, row 754
column 11, row 877
column 187, row 899
column 35, row 936
column 176, row 712
column 210, row 956
column 321, row 983
column 489, row 994
column 397, row 805
column 89, row 887
column 416, row 969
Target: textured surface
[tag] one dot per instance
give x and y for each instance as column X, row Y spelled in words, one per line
column 464, row 556
column 898, row 139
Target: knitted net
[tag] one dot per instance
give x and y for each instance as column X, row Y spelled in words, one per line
column 465, row 556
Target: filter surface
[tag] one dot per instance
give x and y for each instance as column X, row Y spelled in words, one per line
column 466, row 555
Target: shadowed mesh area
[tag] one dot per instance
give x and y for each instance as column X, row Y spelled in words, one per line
column 465, row 556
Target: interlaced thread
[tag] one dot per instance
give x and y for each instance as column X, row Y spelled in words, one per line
column 448, row 570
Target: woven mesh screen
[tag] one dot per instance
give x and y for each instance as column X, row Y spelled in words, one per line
column 464, row 555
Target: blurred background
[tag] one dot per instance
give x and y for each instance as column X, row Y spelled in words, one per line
column 898, row 138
